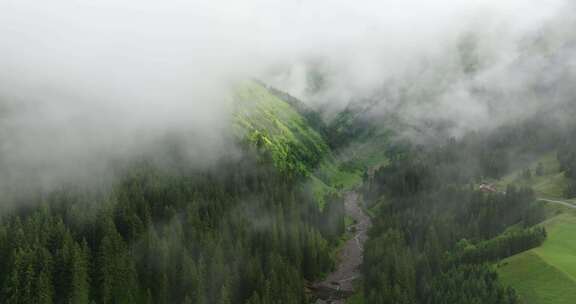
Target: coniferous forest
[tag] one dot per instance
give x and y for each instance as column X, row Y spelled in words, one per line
column 240, row 233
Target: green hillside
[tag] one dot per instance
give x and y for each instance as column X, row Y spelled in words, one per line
column 546, row 274
column 274, row 126
column 547, row 182
column 537, row 281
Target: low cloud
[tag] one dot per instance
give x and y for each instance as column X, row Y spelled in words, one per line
column 83, row 82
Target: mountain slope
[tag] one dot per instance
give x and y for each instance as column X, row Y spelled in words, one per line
column 275, row 127
column 546, row 274
column 240, row 231
column 280, row 127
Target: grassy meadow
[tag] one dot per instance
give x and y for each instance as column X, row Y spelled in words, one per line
column 546, row 274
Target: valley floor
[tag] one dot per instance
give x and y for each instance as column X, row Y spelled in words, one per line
column 338, row 284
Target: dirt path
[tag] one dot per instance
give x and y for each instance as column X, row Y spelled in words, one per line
column 338, row 285
column 558, row 202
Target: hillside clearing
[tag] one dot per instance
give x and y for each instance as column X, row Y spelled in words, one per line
column 537, row 281
column 551, row 183
column 546, row 274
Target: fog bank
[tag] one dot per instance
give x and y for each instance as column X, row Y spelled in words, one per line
column 83, row 82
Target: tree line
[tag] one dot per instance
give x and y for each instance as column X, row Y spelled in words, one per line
column 566, row 156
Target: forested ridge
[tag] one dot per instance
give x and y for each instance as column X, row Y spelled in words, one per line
column 243, row 231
